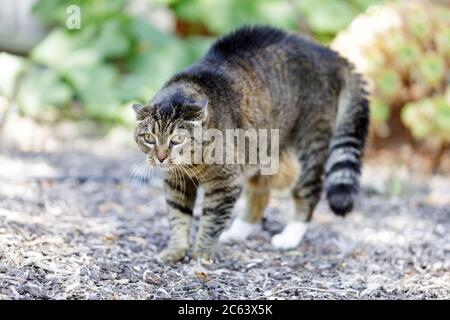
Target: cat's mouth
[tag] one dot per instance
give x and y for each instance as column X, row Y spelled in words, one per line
column 165, row 166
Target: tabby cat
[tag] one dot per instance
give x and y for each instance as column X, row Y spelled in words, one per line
column 257, row 77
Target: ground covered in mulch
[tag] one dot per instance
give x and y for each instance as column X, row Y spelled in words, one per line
column 77, row 223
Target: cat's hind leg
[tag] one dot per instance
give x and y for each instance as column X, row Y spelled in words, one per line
column 294, row 231
column 257, row 195
column 306, row 193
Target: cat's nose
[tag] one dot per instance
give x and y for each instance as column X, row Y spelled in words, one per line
column 161, row 157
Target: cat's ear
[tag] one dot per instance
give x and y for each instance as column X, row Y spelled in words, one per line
column 141, row 111
column 198, row 110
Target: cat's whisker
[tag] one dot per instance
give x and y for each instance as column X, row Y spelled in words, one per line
column 137, row 158
column 137, row 172
column 179, row 177
column 148, row 175
column 134, row 175
column 130, row 162
column 188, row 165
column 142, row 180
column 189, row 176
column 191, row 171
column 196, row 172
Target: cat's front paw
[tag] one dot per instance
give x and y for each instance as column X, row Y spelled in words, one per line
column 204, row 257
column 172, row 255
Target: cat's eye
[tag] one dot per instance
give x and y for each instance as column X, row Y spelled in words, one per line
column 149, row 139
column 177, row 139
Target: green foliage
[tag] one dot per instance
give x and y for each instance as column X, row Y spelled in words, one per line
column 115, row 59
column 407, row 62
column 40, row 90
column 323, row 17
column 94, row 12
column 220, row 16
column 327, row 16
column 12, row 67
column 429, row 117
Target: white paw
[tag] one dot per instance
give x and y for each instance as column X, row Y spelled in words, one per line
column 291, row 236
column 239, row 231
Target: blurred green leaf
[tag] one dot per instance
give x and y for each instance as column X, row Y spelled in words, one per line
column 159, row 64
column 443, row 117
column 432, row 68
column 97, row 88
column 380, row 111
column 364, row 4
column 40, row 90
column 196, row 47
column 113, row 40
column 327, row 16
column 55, row 11
column 388, row 82
column 62, row 49
column 147, row 36
column 442, row 40
column 408, row 53
column 221, row 16
column 11, row 67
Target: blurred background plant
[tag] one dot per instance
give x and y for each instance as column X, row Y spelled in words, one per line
column 404, row 50
column 125, row 50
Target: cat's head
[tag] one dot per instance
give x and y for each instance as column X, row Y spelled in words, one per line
column 165, row 125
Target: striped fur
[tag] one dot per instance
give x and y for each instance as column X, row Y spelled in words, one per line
column 343, row 166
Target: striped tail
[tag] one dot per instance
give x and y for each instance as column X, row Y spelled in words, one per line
column 346, row 149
